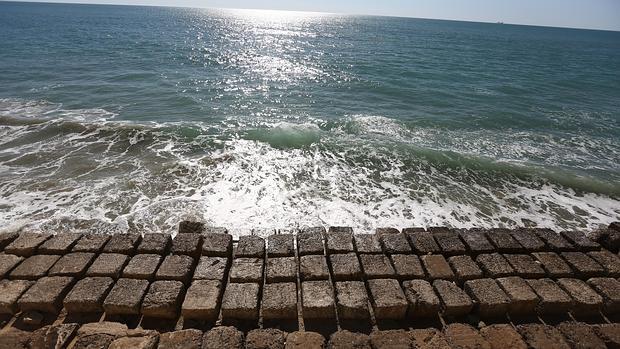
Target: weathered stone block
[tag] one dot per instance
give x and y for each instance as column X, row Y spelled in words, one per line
column 250, row 246
column 580, row 241
column 344, row 339
column 211, row 268
column 475, row 240
column 610, row 333
column 305, row 340
column 247, row 270
column 146, row 341
column 34, row 267
column 88, row 294
column 281, row 245
column 583, row 265
column 265, row 338
column 72, row 264
column 7, row 263
column 491, row 300
column 607, row 260
column 609, row 289
column 223, row 337
column 313, row 267
column 367, row 243
column 391, row 339
column 523, row 299
column 423, row 302
column 554, row 265
column 437, row 267
column 187, row 244
column 310, row 241
column 59, row 244
column 217, row 245
column 525, row 266
column 99, row 335
column 585, row 300
column 317, row 300
column 91, row 243
column 465, row 268
column 56, row 336
column 540, row 336
column 7, row 238
column 122, row 243
column 421, row 241
column 395, row 244
column 554, row 241
column 504, row 241
column 429, row 338
column 388, row 299
column 502, row 336
column 183, row 339
column 553, row 300
column 10, row 291
column 241, row 301
column 580, row 335
column 142, row 266
column 154, row 243
column 175, row 267
column 191, row 227
column 465, row 336
column 163, row 299
column 340, row 229
column 449, row 242
column 494, row 265
column 407, row 266
column 46, row 294
column 454, row 301
column 126, row 297
column 528, row 239
column 108, row 264
column 26, row 244
column 339, row 242
column 352, row 300
column 281, row 269
column 377, row 266
column 202, row 300
column 280, row 301
column 345, row 266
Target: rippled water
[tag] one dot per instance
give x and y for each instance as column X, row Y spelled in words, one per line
column 132, row 118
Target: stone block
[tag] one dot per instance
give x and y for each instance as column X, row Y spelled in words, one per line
column 88, row 294
column 503, row 241
column 555, row 242
column 494, row 265
column 580, row 240
column 202, row 300
column 476, row 241
column 528, row 239
column 407, row 266
column 583, row 265
column 539, row 336
column 183, row 339
column 465, row 336
column 72, row 264
column 147, row 341
column 553, row 300
column 395, row 244
column 46, row 294
column 280, row 301
column 580, row 335
column 523, row 299
column 352, row 300
column 250, row 246
column 122, row 243
column 344, row 339
column 454, row 301
column 7, row 263
column 465, row 268
column 281, row 245
column 163, row 299
column 310, row 241
column 502, row 336
column 91, row 243
column 211, row 268
column 610, row 333
column 247, row 270
column 217, row 245
column 377, row 266
column 99, row 335
column 391, row 339
column 429, row 338
column 437, row 267
column 340, row 229
column 367, row 243
column 271, row 338
column 281, row 269
column 339, row 242
column 10, row 292
column 313, row 267
column 191, row 227
column 609, row 289
column 126, row 297
column 108, row 264
column 60, row 243
column 241, row 301
column 154, row 243
column 525, row 266
column 585, row 300
column 553, row 264
column 305, row 340
column 449, row 242
column 345, row 266
column 176, row 267
column 609, row 261
column 385, row 231
column 317, row 300
column 421, row 241
column 388, row 299
column 34, row 267
column 142, row 266
column 187, row 244
column 490, row 300
column 423, row 302
column 223, row 337
column 7, row 238
column 26, row 244
column 56, row 336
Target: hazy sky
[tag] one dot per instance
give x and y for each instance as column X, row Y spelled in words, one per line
column 598, row 14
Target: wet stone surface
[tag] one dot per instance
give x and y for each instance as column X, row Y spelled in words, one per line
column 91, row 243
column 530, row 241
column 367, row 243
column 525, row 266
column 421, row 241
column 191, row 227
column 553, row 240
column 582, row 264
column 494, row 265
column 377, row 266
column 449, row 242
column 122, row 243
column 504, row 241
column 395, row 244
column 187, row 244
column 310, row 241
column 475, row 241
column 339, row 241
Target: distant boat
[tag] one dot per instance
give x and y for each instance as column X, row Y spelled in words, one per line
column 500, row 22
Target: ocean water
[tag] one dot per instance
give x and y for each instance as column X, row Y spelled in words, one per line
column 119, row 118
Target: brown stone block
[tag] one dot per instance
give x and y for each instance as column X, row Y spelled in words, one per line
column 163, row 299
column 202, row 300
column 345, row 340
column 476, row 241
column 407, row 266
column 525, row 266
column 99, row 335
column 146, row 341
column 579, row 240
column 607, row 260
column 317, row 300
column 345, row 266
column 528, row 239
column 449, row 242
column 72, row 264
column 465, row 336
column 265, row 338
column 247, row 270
column 340, row 229
column 377, row 266
column 504, row 241
column 313, row 267
column 554, row 265
column 391, row 339
column 491, row 300
column 88, row 294
column 281, row 245
column 385, row 231
column 583, row 265
column 154, row 243
column 55, row 336
column 34, row 267
column 108, row 264
column 554, row 241
column 217, row 245
column 581, row 335
column 339, row 241
column 454, row 301
column 122, row 243
column 610, row 333
column 437, row 267
column 7, row 238
column 352, row 300
column 494, row 265
column 191, row 227
column 183, row 339
column 502, row 336
column 10, row 291
column 281, row 269
column 211, row 268
column 241, row 301
column 26, row 244
column 585, row 300
column 7, row 263
column 553, row 300
column 223, row 337
column 91, row 243
column 523, row 299
column 367, row 243
column 423, row 302
column 14, row 338
column 142, row 266
column 59, row 244
column 187, row 244
column 250, row 246
column 395, row 244
column 310, row 241
column 609, row 289
column 388, row 299
column 176, row 267
column 429, row 338
column 465, row 268
column 125, row 297
column 305, row 340
column 280, row 301
column 46, row 294
column 421, row 241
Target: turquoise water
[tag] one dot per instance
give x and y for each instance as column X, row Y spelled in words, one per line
column 119, row 118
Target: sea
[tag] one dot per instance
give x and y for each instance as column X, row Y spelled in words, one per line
column 130, row 119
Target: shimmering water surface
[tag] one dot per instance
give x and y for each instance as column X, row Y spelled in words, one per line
column 131, row 118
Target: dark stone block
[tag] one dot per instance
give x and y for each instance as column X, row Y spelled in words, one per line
column 280, row 301
column 476, row 241
column 581, row 335
column 529, row 240
column 609, row 289
column 34, row 267
column 504, row 241
column 175, row 267
column 421, row 241
column 217, row 245
column 88, row 294
column 313, row 267
column 154, row 243
column 72, row 264
column 391, row 339
column 494, row 265
column 202, row 300
column 554, row 240
column 247, row 270
column 449, row 242
column 465, row 268
column 583, row 265
column 281, row 269
column 91, row 243
column 59, row 244
column 187, row 244
column 317, row 300
column 525, row 266
column 10, row 292
column 580, row 240
column 352, row 300
column 345, row 266
column 26, row 244
column 223, row 337
column 7, row 238
column 367, row 243
column 454, row 301
column 250, row 246
column 523, row 299
column 554, row 265
column 339, row 242
column 122, row 243
column 310, row 241
column 46, row 294
column 265, row 338
column 377, row 266
column 108, row 264
column 211, row 268
column 407, row 266
column 388, row 299
column 241, row 301
column 281, row 245
column 163, row 299
column 423, row 302
column 437, row 267
column 191, row 227
column 142, row 266
column 540, row 336
column 503, row 336
column 125, row 297
column 585, row 300
column 395, row 244
column 7, row 263
column 344, row 339
column 491, row 300
column 465, row 336
column 553, row 300
column 607, row 260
